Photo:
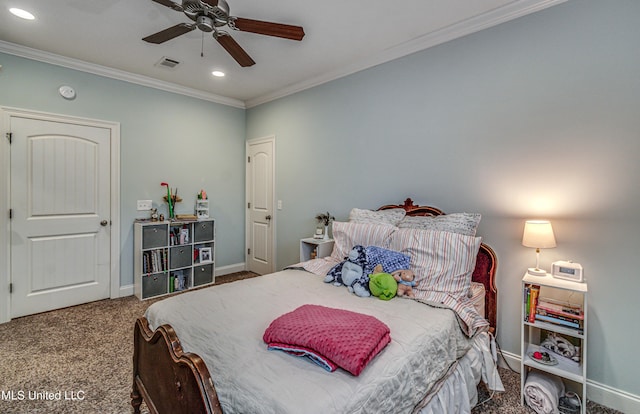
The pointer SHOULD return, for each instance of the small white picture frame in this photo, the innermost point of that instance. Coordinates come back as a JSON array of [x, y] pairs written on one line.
[[205, 254]]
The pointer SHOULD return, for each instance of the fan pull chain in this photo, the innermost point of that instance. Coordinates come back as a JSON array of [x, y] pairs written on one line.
[[202, 46]]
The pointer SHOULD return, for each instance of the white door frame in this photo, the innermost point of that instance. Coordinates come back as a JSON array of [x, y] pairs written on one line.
[[5, 201], [274, 220]]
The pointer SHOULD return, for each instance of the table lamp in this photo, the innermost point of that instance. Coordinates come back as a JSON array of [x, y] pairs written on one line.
[[538, 234]]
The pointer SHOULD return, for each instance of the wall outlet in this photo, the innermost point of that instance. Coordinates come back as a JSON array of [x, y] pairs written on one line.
[[144, 205], [279, 204]]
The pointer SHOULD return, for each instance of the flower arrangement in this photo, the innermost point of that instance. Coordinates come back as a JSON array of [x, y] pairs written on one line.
[[325, 218]]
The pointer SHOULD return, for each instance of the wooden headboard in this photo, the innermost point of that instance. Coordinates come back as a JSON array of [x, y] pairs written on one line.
[[486, 262]]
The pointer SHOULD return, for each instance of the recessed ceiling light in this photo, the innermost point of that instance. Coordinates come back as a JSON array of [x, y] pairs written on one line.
[[217, 73], [23, 14]]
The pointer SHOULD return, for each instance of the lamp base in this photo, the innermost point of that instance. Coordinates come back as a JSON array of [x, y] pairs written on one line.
[[536, 272]]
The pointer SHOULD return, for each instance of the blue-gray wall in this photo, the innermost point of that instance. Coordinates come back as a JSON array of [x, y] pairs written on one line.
[[538, 117], [534, 118], [189, 143]]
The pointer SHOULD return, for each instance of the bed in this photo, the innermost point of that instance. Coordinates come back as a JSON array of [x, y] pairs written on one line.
[[203, 351]]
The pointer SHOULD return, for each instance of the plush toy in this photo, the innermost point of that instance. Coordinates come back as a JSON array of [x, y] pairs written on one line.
[[361, 286], [405, 282], [334, 275], [351, 272], [382, 285]]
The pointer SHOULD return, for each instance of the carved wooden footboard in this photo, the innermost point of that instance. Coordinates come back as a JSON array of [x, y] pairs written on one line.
[[169, 380]]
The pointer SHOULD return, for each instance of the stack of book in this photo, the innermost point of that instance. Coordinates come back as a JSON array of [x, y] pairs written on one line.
[[543, 309], [559, 313], [531, 293], [154, 261]]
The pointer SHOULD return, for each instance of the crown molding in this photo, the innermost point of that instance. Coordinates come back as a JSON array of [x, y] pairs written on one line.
[[51, 58], [486, 20], [475, 24]]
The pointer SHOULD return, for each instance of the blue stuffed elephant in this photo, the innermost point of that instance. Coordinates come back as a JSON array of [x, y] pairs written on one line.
[[351, 273]]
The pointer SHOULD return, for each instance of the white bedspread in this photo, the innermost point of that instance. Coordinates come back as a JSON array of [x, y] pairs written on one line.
[[224, 325]]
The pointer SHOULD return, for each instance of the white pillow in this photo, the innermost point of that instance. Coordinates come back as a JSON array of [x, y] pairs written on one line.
[[347, 235], [391, 216], [462, 223], [443, 262]]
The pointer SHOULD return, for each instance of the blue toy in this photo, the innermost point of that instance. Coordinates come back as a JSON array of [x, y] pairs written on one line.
[[351, 272]]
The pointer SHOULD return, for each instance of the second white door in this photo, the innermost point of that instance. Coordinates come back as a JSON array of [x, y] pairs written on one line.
[[260, 215]]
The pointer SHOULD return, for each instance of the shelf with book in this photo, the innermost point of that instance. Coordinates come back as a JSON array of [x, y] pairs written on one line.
[[172, 256], [554, 320]]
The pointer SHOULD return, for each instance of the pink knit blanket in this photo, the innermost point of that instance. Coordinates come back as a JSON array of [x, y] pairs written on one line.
[[329, 337]]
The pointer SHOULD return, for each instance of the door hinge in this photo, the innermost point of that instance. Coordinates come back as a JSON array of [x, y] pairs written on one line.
[[248, 159], [249, 205], [249, 251], [10, 137], [10, 213], [10, 287]]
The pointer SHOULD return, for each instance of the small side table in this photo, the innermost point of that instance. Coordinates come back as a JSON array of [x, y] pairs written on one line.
[[318, 247]]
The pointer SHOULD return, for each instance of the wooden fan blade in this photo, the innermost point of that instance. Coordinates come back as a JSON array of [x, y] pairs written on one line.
[[234, 49], [170, 4], [170, 33], [212, 3], [285, 31]]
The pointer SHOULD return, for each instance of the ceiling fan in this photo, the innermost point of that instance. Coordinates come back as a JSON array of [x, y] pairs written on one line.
[[210, 15]]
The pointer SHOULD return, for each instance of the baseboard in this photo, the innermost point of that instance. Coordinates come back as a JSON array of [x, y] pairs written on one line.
[[512, 359], [127, 290], [613, 398], [225, 270], [599, 393]]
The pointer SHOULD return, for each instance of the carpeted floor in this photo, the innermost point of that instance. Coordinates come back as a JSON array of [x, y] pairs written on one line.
[[78, 360]]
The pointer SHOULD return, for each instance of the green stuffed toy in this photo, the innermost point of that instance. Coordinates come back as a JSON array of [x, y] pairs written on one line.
[[382, 285]]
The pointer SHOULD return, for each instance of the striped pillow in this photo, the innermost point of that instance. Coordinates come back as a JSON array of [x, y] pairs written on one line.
[[477, 293], [442, 261], [347, 235]]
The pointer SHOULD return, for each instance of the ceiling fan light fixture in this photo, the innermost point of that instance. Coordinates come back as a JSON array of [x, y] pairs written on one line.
[[23, 14], [205, 23], [210, 15]]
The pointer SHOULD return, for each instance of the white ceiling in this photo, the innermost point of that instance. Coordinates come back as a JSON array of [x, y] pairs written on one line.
[[342, 37]]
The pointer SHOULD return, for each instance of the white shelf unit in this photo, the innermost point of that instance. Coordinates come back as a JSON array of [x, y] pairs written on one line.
[[573, 374], [166, 256], [311, 246]]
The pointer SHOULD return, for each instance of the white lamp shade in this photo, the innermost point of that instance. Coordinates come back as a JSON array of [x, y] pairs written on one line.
[[538, 234]]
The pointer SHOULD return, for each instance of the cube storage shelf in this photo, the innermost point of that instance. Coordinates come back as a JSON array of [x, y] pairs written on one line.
[[573, 374], [173, 256]]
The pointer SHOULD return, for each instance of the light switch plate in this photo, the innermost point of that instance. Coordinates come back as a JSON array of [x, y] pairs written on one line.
[[144, 205]]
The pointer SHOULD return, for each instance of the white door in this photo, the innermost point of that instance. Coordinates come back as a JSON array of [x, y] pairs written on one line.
[[60, 225], [260, 217]]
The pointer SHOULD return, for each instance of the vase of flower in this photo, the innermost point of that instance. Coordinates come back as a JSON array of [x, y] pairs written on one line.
[[325, 219]]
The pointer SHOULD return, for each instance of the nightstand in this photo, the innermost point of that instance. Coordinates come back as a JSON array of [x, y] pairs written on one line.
[[559, 313], [311, 248]]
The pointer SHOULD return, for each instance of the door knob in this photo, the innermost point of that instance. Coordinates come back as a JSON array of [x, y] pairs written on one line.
[[268, 217], [104, 223]]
